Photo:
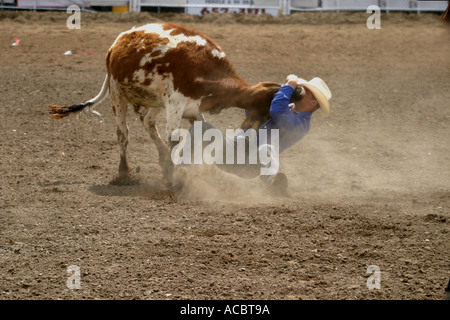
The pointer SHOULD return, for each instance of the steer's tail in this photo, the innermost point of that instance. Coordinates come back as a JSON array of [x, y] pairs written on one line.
[[60, 112]]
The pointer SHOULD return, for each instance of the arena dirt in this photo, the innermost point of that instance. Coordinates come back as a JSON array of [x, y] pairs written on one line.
[[368, 186]]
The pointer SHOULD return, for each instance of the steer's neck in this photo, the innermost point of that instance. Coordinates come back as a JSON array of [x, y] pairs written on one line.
[[256, 96]]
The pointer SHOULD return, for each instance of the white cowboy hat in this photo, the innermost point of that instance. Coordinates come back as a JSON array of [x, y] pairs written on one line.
[[320, 91]]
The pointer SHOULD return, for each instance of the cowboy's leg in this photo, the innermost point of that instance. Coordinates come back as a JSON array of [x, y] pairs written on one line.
[[233, 156], [241, 155]]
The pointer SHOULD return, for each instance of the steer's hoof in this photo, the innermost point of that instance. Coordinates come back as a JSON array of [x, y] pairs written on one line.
[[125, 180]]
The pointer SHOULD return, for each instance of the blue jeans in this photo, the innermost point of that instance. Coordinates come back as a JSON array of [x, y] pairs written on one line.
[[247, 167]]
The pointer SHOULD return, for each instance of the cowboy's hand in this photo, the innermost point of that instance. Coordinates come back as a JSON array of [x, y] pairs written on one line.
[[291, 77], [292, 80]]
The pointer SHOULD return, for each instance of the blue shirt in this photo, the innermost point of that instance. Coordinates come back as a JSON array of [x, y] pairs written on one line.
[[292, 126]]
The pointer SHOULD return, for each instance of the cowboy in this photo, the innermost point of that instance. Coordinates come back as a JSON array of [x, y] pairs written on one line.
[[293, 119], [290, 113]]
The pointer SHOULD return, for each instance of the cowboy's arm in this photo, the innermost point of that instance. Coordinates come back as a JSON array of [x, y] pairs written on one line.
[[279, 108]]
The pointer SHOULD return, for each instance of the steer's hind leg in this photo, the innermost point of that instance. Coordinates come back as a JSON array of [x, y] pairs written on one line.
[[120, 114]]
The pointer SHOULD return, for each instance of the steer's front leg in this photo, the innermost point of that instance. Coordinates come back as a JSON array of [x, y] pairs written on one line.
[[173, 116]]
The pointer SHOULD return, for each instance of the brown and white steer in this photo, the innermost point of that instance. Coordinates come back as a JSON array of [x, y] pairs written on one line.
[[165, 67]]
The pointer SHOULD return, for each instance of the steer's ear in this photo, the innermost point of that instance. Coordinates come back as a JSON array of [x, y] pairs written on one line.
[[253, 120]]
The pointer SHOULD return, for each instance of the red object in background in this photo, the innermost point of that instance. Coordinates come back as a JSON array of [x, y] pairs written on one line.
[[16, 42]]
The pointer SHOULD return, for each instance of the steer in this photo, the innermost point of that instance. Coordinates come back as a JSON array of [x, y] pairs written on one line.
[[163, 66]]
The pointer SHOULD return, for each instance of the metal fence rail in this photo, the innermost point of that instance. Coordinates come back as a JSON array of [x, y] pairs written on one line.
[[275, 7]]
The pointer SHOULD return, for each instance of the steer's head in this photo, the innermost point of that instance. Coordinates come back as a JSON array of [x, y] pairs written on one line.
[[258, 101]]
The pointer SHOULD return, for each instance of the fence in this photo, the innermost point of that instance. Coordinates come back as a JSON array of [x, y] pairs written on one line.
[[273, 7]]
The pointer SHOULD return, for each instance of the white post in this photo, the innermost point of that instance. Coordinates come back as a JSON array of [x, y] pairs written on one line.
[[138, 5], [285, 6]]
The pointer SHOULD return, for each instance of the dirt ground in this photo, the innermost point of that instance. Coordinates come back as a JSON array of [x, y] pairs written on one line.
[[369, 186]]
